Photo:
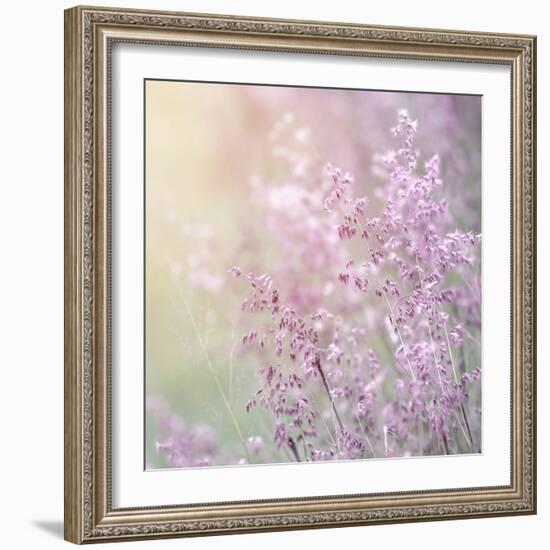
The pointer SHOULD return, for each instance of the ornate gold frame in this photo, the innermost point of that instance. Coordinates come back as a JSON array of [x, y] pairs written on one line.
[[89, 35]]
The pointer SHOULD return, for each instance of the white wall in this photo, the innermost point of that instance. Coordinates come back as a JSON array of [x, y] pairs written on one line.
[[31, 278]]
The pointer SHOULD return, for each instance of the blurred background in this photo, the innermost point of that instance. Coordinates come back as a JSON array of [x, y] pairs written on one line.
[[220, 159]]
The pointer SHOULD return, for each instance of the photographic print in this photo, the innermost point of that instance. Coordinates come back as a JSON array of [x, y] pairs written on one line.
[[313, 274], [300, 274]]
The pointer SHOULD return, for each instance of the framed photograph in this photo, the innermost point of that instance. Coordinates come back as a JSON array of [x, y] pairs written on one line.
[[299, 274]]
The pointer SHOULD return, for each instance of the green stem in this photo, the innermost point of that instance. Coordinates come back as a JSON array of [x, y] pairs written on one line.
[[469, 435], [394, 323], [327, 389], [450, 353], [367, 439], [217, 380]]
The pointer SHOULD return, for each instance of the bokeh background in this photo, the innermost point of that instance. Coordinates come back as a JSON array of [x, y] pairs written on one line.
[[207, 147]]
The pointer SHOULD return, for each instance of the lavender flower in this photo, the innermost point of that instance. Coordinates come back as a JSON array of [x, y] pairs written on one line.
[[325, 386]]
